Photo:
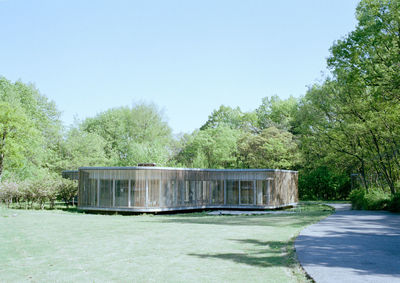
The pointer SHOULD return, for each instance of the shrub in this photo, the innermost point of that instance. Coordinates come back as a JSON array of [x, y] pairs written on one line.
[[374, 199], [9, 192], [40, 190], [394, 204], [66, 190], [357, 198], [26, 193]]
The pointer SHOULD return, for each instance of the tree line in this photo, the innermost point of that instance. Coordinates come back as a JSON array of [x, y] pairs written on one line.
[[348, 123]]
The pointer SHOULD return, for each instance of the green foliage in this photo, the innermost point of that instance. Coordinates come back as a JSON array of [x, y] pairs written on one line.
[[132, 135], [83, 149], [30, 129], [210, 148], [19, 140], [233, 118], [364, 95], [275, 112], [272, 148], [351, 120], [394, 203], [323, 183], [373, 199]]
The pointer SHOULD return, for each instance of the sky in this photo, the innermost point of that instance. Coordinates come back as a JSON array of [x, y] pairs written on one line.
[[187, 57]]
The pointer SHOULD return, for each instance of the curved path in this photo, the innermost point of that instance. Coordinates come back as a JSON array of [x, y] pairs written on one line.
[[352, 246]]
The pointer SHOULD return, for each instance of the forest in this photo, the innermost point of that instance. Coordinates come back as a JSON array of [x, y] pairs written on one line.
[[342, 134]]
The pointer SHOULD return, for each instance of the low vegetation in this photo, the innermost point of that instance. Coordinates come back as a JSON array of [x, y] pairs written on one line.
[[375, 199], [38, 192], [55, 245]]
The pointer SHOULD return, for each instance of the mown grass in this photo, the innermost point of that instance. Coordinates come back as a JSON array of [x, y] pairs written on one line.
[[55, 245]]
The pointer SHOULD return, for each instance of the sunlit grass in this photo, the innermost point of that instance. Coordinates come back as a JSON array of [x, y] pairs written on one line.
[[55, 245]]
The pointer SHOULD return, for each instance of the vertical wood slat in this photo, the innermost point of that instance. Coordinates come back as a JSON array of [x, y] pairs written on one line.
[[240, 193], [254, 193], [224, 192], [147, 191], [98, 190], [129, 192], [113, 192]]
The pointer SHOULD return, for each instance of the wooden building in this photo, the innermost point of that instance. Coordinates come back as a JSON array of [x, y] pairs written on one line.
[[156, 189]]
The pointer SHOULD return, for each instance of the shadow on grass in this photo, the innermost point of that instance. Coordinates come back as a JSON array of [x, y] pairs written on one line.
[[267, 254], [299, 219]]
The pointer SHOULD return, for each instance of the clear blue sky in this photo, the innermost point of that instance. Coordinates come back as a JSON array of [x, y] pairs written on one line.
[[188, 57]]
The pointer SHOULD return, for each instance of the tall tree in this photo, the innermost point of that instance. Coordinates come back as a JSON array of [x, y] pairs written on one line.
[[366, 66], [42, 117], [273, 148], [276, 112], [132, 135], [233, 118], [82, 149], [19, 140], [210, 148]]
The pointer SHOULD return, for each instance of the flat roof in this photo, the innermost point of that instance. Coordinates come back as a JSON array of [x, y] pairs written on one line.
[[185, 169]]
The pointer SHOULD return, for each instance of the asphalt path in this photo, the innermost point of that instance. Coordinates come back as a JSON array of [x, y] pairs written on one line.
[[352, 246]]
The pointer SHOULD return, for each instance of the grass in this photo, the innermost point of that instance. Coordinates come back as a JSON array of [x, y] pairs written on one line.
[[62, 246]]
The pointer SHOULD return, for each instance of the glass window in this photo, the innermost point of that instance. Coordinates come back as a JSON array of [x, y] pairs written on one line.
[[166, 193], [264, 192], [246, 192], [261, 185], [202, 192], [190, 192], [105, 193], [174, 192], [180, 194], [138, 193], [121, 192], [232, 192], [217, 192], [93, 192], [154, 193]]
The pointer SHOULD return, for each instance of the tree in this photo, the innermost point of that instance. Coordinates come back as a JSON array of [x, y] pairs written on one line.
[[233, 118], [273, 148], [366, 67], [210, 148], [83, 149], [275, 112], [18, 138], [41, 117], [132, 135]]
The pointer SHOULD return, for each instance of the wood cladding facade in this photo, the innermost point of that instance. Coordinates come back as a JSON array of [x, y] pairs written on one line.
[[155, 189]]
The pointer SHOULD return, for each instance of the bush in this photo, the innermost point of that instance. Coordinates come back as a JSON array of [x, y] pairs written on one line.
[[323, 183], [66, 190], [9, 192], [39, 191], [394, 203], [374, 199]]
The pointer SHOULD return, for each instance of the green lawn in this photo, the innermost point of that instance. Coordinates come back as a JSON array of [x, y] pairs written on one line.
[[55, 245]]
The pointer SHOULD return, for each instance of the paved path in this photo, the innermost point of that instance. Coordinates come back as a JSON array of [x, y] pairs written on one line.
[[352, 246]]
